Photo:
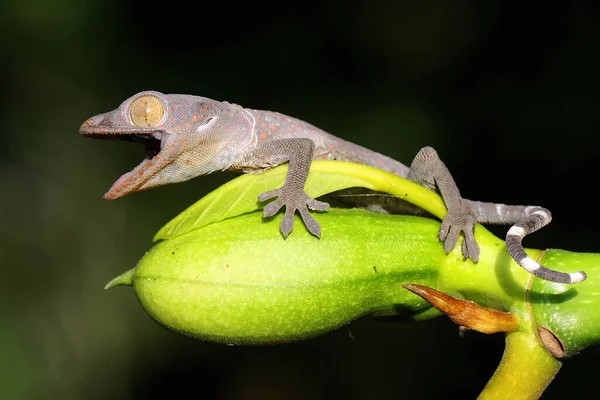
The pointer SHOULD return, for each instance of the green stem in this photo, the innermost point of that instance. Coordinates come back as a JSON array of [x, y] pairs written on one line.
[[525, 371]]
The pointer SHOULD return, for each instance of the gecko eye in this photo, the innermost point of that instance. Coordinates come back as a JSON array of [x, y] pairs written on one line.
[[146, 111]]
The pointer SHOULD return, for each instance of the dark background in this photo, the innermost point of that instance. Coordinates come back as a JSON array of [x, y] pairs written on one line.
[[506, 92]]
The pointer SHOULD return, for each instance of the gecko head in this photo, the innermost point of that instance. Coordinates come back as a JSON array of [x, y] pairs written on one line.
[[175, 130]]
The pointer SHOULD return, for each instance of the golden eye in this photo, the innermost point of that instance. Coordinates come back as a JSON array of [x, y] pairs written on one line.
[[146, 111]]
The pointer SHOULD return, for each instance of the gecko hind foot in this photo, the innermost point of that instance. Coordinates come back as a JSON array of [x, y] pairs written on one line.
[[456, 222], [293, 201]]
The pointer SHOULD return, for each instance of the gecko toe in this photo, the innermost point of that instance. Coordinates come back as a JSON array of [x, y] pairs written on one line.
[[311, 223], [465, 248], [470, 248], [317, 205], [451, 239], [272, 208], [287, 223], [444, 230], [268, 195]]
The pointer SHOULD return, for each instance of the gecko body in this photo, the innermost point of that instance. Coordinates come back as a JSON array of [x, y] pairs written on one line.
[[186, 136]]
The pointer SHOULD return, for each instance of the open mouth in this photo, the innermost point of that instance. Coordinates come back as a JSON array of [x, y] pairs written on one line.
[[132, 181], [151, 141]]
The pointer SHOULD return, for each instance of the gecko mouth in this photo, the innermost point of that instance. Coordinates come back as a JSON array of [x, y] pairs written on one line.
[[131, 181], [152, 142]]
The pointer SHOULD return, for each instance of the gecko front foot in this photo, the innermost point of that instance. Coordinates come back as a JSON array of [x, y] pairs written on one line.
[[460, 219], [293, 201]]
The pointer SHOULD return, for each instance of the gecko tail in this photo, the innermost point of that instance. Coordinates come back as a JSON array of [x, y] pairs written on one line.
[[534, 221]]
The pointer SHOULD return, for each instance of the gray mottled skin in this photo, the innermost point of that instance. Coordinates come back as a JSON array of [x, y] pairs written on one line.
[[187, 136]]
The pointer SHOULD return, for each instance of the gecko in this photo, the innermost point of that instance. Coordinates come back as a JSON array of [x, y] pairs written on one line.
[[186, 136]]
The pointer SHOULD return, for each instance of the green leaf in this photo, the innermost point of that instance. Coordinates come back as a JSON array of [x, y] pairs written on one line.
[[240, 195]]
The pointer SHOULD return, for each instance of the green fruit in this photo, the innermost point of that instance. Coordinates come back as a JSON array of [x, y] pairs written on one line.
[[238, 281]]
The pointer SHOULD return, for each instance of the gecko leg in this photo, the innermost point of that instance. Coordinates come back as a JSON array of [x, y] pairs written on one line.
[[299, 153], [428, 170]]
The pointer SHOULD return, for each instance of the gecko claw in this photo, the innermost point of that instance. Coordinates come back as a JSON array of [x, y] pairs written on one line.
[[456, 222], [293, 202]]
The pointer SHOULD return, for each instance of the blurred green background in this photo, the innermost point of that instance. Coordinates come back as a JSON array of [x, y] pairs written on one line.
[[505, 91]]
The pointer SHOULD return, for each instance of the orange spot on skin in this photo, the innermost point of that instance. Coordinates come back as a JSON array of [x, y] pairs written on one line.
[[273, 127], [467, 313], [263, 135], [195, 117], [263, 125]]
